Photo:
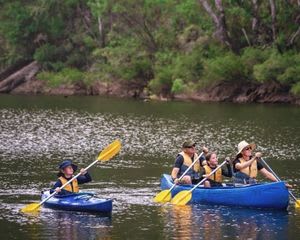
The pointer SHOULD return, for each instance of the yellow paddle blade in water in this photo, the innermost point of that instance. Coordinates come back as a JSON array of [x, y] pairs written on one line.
[[110, 151], [182, 198], [163, 197], [32, 207]]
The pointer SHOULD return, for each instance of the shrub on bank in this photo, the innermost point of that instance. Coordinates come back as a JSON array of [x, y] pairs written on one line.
[[65, 76], [223, 68], [283, 68]]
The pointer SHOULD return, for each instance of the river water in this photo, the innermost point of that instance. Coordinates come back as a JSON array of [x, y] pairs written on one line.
[[37, 132]]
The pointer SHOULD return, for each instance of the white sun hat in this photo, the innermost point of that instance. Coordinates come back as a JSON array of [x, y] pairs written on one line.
[[244, 144]]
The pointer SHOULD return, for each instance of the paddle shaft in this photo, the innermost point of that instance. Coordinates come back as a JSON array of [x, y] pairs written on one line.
[[278, 179], [185, 172], [76, 176], [202, 181]]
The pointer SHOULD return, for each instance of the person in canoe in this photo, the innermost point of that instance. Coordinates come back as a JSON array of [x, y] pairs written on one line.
[[215, 180], [183, 160], [246, 166], [66, 171]]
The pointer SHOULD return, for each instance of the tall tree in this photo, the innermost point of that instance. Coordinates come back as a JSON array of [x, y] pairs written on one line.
[[219, 20]]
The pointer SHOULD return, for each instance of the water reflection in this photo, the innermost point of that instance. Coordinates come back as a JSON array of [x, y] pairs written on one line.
[[71, 225], [208, 222]]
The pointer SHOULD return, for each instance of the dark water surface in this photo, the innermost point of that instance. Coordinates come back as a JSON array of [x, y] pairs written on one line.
[[37, 132]]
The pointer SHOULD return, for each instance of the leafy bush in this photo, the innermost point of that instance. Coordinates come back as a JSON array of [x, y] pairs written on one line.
[[163, 73], [65, 76], [188, 67], [126, 61], [226, 68], [252, 56], [45, 53], [296, 89], [284, 68], [290, 75], [162, 82], [177, 86], [275, 65]]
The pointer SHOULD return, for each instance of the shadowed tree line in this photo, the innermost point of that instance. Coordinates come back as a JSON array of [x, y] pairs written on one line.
[[156, 46]]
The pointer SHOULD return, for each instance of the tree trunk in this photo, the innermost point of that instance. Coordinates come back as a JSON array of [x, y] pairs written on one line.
[[255, 19], [273, 16], [293, 37], [13, 68], [24, 74], [101, 32], [219, 21]]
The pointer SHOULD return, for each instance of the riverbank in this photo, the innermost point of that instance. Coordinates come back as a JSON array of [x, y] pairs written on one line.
[[23, 81], [271, 92]]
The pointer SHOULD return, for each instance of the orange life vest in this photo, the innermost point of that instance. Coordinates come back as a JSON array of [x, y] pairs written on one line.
[[217, 176], [251, 171], [187, 161], [71, 187]]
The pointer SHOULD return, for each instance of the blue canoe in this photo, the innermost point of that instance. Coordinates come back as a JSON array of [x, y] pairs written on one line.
[[266, 195], [80, 202]]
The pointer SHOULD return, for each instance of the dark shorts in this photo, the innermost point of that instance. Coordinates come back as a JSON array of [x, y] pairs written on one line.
[[214, 183], [242, 178], [195, 181]]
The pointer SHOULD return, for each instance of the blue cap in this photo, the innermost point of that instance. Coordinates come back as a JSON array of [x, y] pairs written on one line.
[[67, 163]]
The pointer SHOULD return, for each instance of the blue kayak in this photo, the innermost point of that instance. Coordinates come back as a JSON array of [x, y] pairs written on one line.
[[266, 195], [80, 202]]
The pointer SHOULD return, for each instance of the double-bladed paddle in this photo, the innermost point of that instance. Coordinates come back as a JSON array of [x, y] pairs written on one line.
[[110, 151], [165, 195], [183, 197], [297, 201]]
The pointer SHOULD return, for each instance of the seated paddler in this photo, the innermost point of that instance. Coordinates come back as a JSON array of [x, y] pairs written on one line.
[[66, 172], [215, 180], [183, 160], [246, 165]]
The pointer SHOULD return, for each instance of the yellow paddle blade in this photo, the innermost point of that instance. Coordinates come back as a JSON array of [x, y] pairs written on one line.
[[182, 198], [110, 151], [297, 204], [163, 197], [32, 207]]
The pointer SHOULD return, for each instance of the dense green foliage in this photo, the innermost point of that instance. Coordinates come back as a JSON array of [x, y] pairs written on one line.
[[164, 46]]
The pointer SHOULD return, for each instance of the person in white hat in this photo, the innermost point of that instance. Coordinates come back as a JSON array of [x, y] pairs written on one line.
[[246, 166]]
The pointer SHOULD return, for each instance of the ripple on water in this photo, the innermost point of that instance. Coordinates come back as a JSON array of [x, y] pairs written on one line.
[[50, 133]]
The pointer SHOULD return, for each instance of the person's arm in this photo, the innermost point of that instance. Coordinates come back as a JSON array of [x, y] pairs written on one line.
[[84, 178], [175, 171], [240, 166], [203, 159], [226, 170], [56, 187], [202, 173], [268, 174]]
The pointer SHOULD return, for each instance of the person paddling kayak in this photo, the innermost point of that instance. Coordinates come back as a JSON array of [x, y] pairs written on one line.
[[66, 171], [183, 160], [246, 166], [215, 180]]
